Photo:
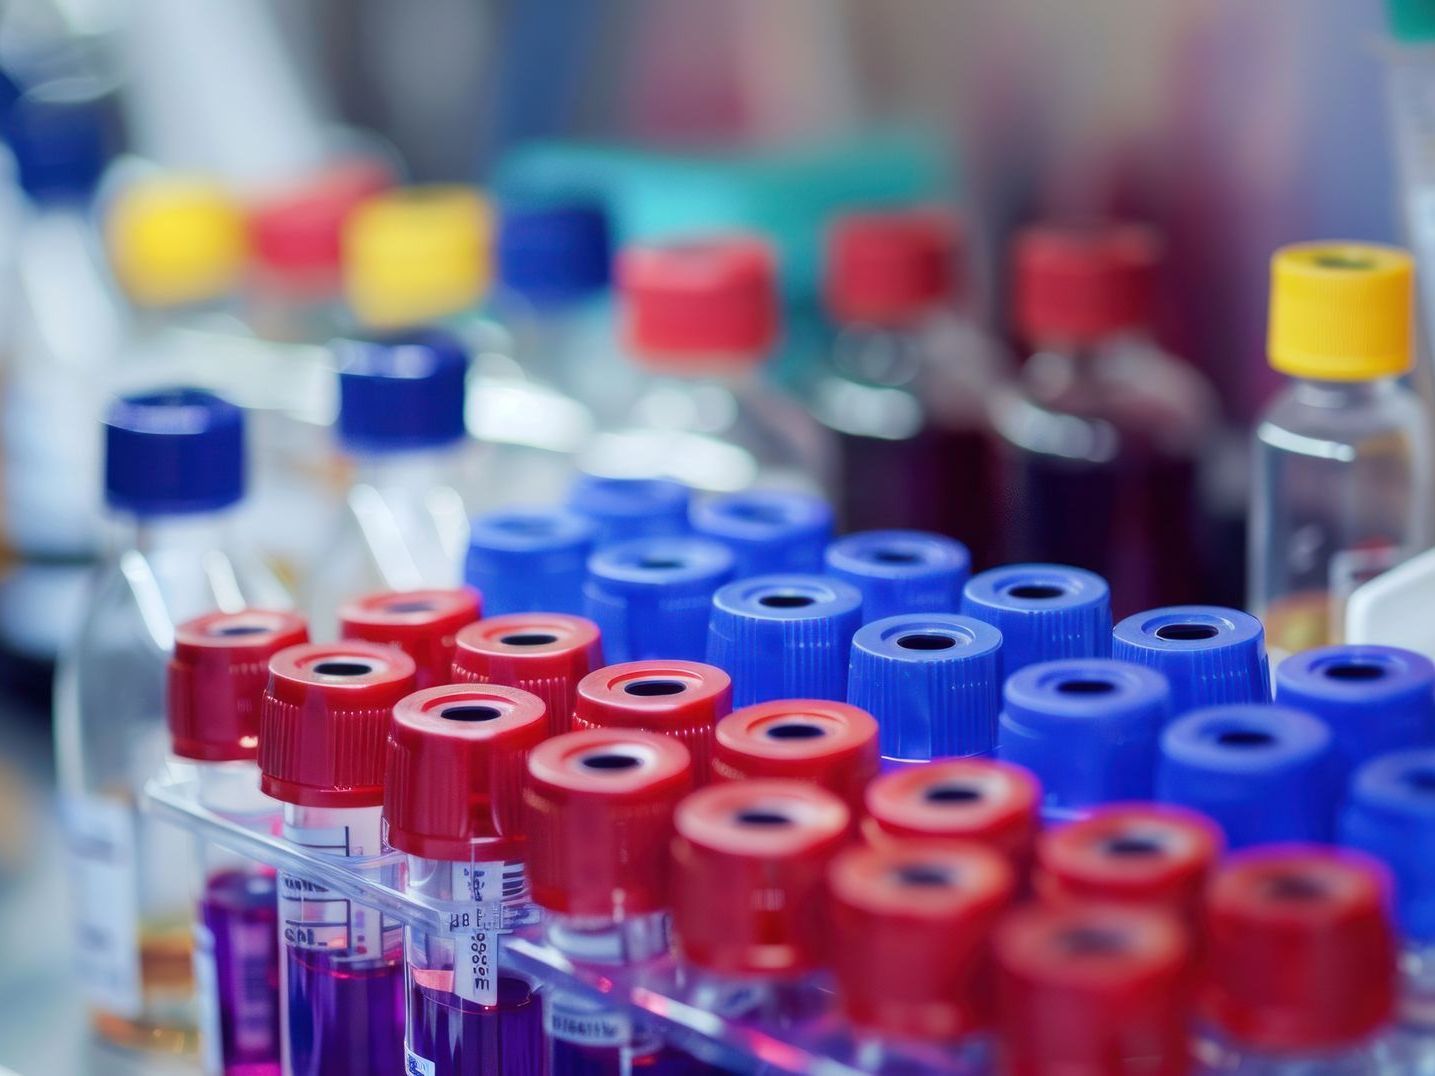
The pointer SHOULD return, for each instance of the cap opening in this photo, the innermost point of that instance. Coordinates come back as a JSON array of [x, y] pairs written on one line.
[[1187, 633], [609, 761], [1092, 941], [926, 641], [525, 525], [409, 606], [786, 601], [1332, 260], [231, 630], [649, 688], [528, 638], [472, 712], [660, 564], [923, 875], [894, 556], [794, 730], [1133, 846], [757, 816], [1086, 687], [1244, 738], [1296, 888], [1035, 591], [945, 794], [343, 667], [1355, 671], [1421, 780], [755, 513]]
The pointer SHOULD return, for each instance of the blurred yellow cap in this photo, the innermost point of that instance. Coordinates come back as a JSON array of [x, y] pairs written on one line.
[[416, 254], [1342, 311], [175, 240]]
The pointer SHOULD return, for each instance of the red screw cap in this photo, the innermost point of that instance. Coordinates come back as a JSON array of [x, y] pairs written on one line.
[[421, 623], [545, 653], [701, 302], [456, 764], [830, 744], [217, 678], [1079, 285], [1085, 988], [682, 699], [326, 719], [1301, 955], [993, 803], [599, 811], [890, 267], [748, 866], [1143, 853], [911, 930]]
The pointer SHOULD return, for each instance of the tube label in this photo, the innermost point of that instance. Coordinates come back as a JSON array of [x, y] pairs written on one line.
[[584, 1022], [485, 888], [100, 841], [312, 916], [414, 1065]]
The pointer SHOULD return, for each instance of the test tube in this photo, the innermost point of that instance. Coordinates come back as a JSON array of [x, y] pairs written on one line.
[[322, 738], [421, 623], [453, 804], [215, 693], [1211, 655], [901, 571], [545, 653], [769, 531], [1045, 612], [627, 508]]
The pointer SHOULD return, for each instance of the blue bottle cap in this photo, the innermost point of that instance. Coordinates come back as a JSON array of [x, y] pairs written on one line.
[[1211, 655], [529, 560], [401, 392], [901, 571], [784, 636], [173, 452], [652, 597], [60, 138], [932, 681], [551, 255], [1390, 813], [1045, 612], [1375, 699], [1263, 772], [1088, 727], [624, 508], [768, 530]]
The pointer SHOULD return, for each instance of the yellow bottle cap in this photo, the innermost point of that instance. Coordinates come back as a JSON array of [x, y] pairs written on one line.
[[1342, 311], [175, 240], [416, 254]]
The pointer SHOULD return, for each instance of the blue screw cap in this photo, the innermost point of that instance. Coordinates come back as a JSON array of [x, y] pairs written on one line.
[[932, 681], [529, 560], [401, 392], [1045, 612], [1263, 772], [767, 530], [784, 636], [553, 255], [901, 571], [60, 138], [1211, 655], [173, 452], [1088, 728], [1375, 699], [625, 508], [1390, 813], [652, 597]]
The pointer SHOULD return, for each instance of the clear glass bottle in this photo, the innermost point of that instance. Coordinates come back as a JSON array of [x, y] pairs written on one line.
[[1343, 473], [174, 472], [700, 318]]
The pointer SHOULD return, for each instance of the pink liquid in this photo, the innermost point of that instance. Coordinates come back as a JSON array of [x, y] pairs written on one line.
[[240, 912], [346, 1017], [463, 1038]]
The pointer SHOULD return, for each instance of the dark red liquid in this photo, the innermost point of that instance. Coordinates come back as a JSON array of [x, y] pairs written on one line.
[[346, 1018], [463, 1038], [241, 915]]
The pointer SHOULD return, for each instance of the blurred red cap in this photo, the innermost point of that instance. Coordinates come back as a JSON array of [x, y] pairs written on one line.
[[888, 267], [1079, 285], [545, 653], [421, 623]]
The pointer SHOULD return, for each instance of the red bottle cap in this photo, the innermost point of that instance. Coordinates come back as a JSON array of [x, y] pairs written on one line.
[[911, 930], [748, 875], [978, 799], [421, 623], [1085, 988], [456, 764], [890, 267], [682, 699], [1142, 853], [326, 720], [217, 678], [701, 302], [600, 821], [1301, 955], [545, 653], [1077, 285], [830, 744]]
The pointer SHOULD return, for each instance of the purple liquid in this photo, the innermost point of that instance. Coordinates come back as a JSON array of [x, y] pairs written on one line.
[[346, 1018], [241, 914], [573, 1059], [463, 1038]]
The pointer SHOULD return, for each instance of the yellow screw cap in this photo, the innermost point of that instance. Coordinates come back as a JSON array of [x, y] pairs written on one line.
[[1342, 311], [175, 240], [416, 254]]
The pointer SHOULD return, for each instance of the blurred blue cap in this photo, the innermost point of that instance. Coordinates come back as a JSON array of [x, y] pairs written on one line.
[[529, 560], [652, 596], [767, 530], [1263, 772], [784, 636], [173, 451], [1211, 655], [1044, 612], [60, 138], [401, 392], [901, 571], [1390, 813], [624, 508], [932, 681], [554, 254]]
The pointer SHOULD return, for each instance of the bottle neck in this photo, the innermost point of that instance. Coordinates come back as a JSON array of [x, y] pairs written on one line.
[[161, 533], [415, 469], [1343, 394]]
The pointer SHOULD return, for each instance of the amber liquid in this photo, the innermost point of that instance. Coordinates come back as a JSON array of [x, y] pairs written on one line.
[[166, 1022]]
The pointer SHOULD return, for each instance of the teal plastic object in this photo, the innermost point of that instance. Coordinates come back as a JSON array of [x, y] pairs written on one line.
[[1412, 21]]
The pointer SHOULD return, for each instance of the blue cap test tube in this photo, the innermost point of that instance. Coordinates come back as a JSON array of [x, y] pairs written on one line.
[[901, 571], [530, 560], [1263, 772], [767, 530], [932, 681], [624, 508], [1211, 655], [1044, 612], [784, 636], [401, 392], [1390, 813], [652, 597], [1088, 728]]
